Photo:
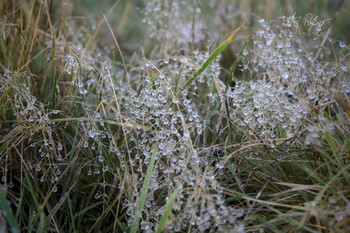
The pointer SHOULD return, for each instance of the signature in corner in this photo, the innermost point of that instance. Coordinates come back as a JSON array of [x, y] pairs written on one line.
[[311, 21], [291, 20]]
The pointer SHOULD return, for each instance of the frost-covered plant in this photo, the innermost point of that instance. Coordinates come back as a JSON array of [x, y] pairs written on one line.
[[17, 100], [174, 22], [85, 145], [288, 82], [178, 164], [264, 107]]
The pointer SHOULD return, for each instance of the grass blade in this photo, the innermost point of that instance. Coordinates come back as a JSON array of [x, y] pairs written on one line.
[[168, 207], [8, 212], [141, 202], [235, 64], [212, 57]]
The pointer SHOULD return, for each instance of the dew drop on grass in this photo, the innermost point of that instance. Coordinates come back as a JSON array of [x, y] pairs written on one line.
[[104, 184], [59, 147], [173, 130], [186, 135], [101, 159], [220, 165], [45, 118], [341, 44], [92, 133], [54, 189], [38, 168], [10, 185], [58, 172], [85, 144], [97, 196], [344, 68], [80, 84]]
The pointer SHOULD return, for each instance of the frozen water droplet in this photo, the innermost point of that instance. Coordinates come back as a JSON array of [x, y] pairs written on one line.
[[80, 84], [54, 189], [344, 68], [341, 44], [101, 159], [45, 118], [220, 165], [186, 135], [10, 185], [58, 172], [59, 147], [104, 184], [92, 133]]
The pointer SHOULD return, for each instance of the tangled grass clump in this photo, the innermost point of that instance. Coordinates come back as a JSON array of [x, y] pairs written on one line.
[[168, 137]]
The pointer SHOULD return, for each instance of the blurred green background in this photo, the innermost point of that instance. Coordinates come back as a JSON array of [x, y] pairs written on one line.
[[127, 16]]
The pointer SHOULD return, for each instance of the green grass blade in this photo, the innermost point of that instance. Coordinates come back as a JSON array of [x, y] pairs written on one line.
[[8, 212], [168, 207], [39, 208], [141, 201], [319, 196], [235, 64], [212, 57]]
